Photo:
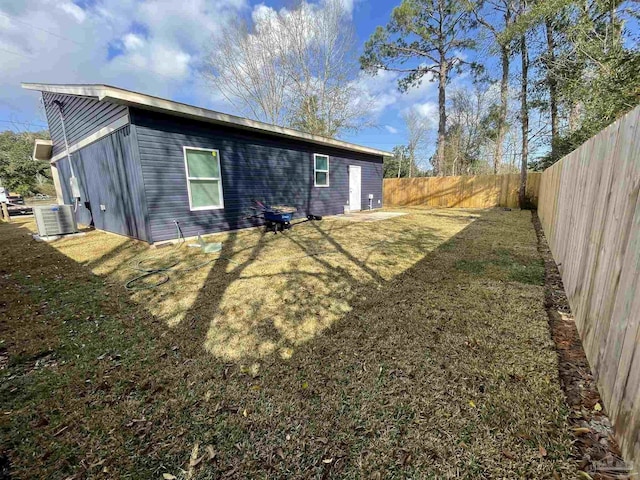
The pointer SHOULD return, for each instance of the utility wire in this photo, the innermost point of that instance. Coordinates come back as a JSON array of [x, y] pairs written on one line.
[[24, 123], [16, 53], [39, 28]]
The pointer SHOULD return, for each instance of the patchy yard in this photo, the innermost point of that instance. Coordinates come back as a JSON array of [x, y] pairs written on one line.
[[415, 347]]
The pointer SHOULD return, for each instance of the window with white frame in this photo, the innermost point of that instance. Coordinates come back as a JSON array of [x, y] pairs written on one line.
[[204, 178], [321, 170]]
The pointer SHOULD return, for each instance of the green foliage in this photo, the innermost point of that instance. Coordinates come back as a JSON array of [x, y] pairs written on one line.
[[19, 172], [472, 127], [613, 90], [400, 160], [423, 32], [308, 118], [594, 73], [490, 123]]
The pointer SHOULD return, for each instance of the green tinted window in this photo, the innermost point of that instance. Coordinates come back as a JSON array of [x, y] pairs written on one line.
[[203, 164], [205, 193], [322, 179], [321, 170], [322, 163], [204, 178]]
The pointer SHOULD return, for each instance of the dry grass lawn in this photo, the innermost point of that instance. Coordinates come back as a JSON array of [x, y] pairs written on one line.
[[415, 347]]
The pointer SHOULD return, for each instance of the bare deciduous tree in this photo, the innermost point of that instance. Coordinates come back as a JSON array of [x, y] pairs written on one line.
[[467, 138], [293, 68], [247, 71], [417, 130], [495, 17]]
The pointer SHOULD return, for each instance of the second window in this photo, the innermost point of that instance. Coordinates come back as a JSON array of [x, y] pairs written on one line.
[[321, 170]]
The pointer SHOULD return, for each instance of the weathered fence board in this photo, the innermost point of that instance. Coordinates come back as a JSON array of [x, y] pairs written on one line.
[[480, 191], [589, 206]]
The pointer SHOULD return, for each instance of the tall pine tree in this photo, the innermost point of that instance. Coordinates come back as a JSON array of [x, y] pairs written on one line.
[[425, 38]]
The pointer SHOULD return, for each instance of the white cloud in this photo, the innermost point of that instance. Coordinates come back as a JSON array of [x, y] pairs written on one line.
[[131, 41], [382, 93], [348, 5], [379, 91], [153, 46], [390, 129], [169, 61], [74, 10], [426, 110], [261, 13]]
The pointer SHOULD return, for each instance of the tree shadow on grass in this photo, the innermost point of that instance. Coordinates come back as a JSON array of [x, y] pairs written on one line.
[[435, 372], [293, 287]]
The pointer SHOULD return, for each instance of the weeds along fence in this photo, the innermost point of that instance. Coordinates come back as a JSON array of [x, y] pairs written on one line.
[[479, 191], [590, 211]]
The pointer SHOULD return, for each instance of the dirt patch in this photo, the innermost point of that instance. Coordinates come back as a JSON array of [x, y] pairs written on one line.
[[595, 446]]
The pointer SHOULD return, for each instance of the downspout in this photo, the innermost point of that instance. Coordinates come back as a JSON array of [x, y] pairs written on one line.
[[73, 180]]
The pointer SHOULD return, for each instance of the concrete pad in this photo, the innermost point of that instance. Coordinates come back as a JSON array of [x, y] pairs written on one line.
[[52, 238], [368, 216]]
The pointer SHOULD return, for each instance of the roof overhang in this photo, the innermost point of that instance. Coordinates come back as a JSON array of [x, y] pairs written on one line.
[[42, 149], [148, 102]]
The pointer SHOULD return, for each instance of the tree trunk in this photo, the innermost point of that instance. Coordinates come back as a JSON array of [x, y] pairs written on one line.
[[5, 213], [553, 86], [442, 122], [502, 119], [575, 113], [615, 34], [524, 114], [411, 164]]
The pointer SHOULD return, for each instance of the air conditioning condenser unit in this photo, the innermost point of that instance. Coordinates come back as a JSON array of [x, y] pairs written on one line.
[[54, 220]]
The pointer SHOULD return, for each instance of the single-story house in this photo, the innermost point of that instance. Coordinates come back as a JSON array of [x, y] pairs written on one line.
[[136, 164]]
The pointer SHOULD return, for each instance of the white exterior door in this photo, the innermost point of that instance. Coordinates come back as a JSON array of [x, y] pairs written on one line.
[[355, 188]]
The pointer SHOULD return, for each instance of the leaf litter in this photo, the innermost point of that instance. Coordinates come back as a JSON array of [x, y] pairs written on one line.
[[428, 358]]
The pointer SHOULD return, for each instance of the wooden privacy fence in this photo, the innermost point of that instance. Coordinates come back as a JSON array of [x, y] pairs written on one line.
[[589, 209], [479, 191]]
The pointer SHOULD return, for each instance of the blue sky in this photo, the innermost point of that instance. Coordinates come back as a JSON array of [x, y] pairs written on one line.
[[155, 47]]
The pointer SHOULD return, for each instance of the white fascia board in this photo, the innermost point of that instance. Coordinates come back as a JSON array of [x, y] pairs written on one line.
[[81, 90], [148, 102]]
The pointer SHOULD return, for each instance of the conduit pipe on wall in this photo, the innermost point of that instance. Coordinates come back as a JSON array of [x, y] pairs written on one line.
[[73, 180]]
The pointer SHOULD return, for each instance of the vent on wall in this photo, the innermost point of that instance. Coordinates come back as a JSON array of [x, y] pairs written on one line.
[[55, 220]]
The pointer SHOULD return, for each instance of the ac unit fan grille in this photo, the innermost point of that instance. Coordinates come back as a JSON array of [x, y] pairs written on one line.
[[55, 220]]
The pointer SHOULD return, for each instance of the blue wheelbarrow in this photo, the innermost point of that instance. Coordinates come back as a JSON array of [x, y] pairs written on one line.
[[278, 218]]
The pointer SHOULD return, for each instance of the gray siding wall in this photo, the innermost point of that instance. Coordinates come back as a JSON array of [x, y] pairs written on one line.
[[83, 116], [109, 174], [274, 170]]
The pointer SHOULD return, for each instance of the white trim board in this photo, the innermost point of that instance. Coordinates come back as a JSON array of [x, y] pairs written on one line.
[[148, 102], [189, 178], [315, 170], [103, 132], [42, 149]]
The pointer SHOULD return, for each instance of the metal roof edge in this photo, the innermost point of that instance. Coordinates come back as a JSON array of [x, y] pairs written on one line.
[[149, 102]]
